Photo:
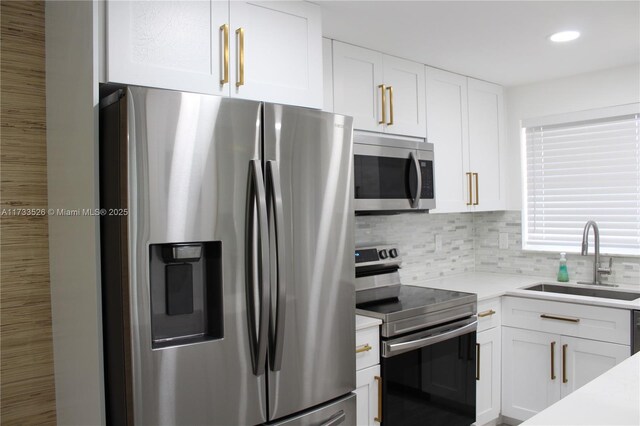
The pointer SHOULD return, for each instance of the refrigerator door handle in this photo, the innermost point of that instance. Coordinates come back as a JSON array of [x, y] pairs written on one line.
[[257, 268], [278, 319]]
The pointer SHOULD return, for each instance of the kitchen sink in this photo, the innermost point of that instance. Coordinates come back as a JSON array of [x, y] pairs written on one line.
[[581, 291]]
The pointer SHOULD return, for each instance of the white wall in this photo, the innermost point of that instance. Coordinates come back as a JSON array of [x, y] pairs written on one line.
[[72, 152], [599, 89]]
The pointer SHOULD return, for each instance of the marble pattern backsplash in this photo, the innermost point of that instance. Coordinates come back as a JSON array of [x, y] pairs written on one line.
[[470, 242]]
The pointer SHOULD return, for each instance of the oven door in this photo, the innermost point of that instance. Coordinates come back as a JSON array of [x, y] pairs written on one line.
[[386, 178], [429, 377]]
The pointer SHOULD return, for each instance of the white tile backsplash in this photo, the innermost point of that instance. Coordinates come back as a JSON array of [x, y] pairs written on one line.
[[471, 242]]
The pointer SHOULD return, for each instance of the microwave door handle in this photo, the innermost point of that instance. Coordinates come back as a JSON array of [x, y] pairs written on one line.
[[257, 267], [392, 349], [278, 319], [415, 200]]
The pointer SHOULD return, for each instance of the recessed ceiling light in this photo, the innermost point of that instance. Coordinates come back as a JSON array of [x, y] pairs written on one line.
[[563, 36]]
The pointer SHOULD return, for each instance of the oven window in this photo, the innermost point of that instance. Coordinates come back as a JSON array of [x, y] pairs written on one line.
[[384, 177], [432, 385]]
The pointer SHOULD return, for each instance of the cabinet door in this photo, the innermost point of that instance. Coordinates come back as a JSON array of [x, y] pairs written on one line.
[[282, 52], [583, 360], [488, 375], [447, 127], [327, 75], [531, 373], [357, 73], [367, 395], [405, 97], [167, 44], [486, 144]]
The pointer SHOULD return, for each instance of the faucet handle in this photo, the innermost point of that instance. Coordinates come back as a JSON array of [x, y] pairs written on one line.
[[606, 270]]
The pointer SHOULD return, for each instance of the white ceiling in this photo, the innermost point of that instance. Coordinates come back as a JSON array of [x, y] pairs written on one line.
[[505, 42]]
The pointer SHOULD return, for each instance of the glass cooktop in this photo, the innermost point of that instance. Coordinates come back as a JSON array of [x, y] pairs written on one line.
[[413, 300]]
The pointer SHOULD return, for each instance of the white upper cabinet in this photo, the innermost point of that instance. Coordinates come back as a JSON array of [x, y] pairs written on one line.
[[465, 122], [267, 51], [486, 147], [447, 129], [357, 73], [327, 75], [404, 82], [383, 93], [168, 44], [281, 51]]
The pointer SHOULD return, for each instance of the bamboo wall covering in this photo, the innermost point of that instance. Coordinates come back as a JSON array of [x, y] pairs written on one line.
[[26, 366]]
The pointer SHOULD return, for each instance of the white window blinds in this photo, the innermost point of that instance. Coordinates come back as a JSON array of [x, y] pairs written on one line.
[[580, 171]]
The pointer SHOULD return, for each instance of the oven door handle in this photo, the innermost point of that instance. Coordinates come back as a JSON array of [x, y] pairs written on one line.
[[392, 349]]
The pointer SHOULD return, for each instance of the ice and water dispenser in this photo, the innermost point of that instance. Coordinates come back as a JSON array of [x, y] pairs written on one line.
[[186, 293]]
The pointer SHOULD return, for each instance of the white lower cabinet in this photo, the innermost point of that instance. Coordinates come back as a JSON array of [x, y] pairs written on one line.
[[488, 375], [541, 368], [367, 395]]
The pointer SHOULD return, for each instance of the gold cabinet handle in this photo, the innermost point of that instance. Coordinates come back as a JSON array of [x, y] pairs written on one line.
[[470, 191], [240, 38], [555, 317], [564, 364], [477, 190], [383, 91], [477, 361], [390, 89], [225, 40], [486, 313], [378, 418], [364, 348], [553, 355]]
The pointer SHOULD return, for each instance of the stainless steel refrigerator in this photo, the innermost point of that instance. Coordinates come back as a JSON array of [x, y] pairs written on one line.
[[227, 261]]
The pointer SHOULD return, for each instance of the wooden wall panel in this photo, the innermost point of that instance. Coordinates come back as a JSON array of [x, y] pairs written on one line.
[[26, 366]]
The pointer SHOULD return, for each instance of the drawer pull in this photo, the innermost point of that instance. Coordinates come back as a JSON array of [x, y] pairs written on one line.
[[554, 317], [486, 313], [364, 348]]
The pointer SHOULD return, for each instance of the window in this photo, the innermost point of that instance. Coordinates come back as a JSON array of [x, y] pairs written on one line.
[[580, 167]]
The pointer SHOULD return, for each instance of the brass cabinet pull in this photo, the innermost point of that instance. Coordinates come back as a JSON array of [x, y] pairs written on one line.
[[470, 191], [383, 91], [364, 348], [240, 37], [564, 364], [225, 39], [378, 418], [486, 313], [477, 190], [477, 361], [555, 317], [553, 355], [391, 105]]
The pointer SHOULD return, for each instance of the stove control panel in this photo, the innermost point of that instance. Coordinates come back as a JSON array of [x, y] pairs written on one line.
[[377, 255]]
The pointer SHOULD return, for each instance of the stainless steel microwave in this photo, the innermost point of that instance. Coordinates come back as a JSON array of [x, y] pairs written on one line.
[[392, 174]]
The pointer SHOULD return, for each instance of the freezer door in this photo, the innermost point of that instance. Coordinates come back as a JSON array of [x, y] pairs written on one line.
[[339, 412], [309, 176], [191, 161]]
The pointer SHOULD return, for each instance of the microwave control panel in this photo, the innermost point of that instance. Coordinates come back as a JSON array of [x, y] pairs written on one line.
[[426, 170]]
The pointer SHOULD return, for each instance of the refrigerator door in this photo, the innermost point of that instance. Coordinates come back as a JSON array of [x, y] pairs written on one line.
[[191, 161], [309, 177]]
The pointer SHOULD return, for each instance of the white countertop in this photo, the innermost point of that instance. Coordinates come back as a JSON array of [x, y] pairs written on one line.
[[610, 399], [366, 322], [489, 285]]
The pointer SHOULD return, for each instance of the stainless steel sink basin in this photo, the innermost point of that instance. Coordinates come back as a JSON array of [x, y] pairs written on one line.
[[581, 291]]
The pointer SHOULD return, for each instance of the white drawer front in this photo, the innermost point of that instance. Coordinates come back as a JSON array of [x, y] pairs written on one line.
[[367, 347], [489, 314], [588, 322]]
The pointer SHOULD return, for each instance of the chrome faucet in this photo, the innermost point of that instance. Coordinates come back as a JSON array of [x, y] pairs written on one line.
[[597, 269]]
